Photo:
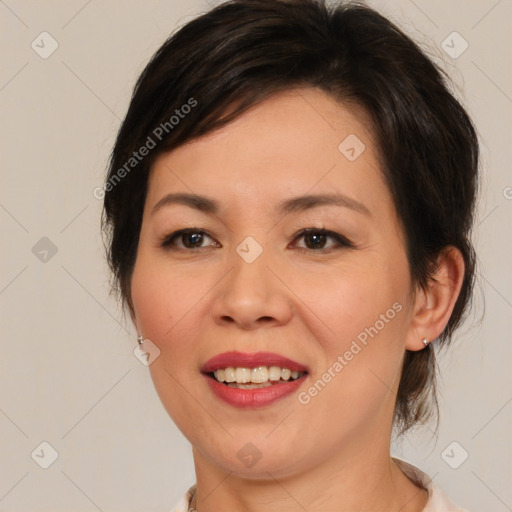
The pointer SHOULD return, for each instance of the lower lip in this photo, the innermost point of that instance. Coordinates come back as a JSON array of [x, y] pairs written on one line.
[[253, 398]]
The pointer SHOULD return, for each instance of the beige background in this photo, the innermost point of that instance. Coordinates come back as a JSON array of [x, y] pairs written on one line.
[[68, 375]]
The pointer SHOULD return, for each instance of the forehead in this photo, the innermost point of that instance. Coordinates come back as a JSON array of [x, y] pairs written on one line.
[[293, 143]]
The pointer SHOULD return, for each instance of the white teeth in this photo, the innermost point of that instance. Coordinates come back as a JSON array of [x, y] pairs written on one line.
[[258, 375], [249, 386], [229, 375], [243, 375], [285, 374], [274, 373]]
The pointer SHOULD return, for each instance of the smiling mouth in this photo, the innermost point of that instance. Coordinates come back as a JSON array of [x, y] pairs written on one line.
[[254, 378]]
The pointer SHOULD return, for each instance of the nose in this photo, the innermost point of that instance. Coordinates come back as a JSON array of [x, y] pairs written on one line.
[[252, 296]]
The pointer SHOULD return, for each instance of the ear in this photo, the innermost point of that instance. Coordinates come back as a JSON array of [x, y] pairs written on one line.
[[433, 304]]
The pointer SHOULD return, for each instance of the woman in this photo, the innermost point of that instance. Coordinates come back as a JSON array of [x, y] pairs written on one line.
[[288, 210]]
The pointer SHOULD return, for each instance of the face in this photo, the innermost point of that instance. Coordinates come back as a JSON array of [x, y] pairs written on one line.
[[246, 278]]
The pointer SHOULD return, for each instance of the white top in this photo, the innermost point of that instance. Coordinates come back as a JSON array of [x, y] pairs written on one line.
[[437, 500]]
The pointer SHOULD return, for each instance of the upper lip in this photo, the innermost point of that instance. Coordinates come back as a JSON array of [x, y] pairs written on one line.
[[251, 360]]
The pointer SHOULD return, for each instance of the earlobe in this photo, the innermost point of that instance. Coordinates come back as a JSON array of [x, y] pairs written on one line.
[[435, 301]]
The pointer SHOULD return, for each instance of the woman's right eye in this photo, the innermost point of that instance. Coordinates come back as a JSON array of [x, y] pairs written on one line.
[[189, 238]]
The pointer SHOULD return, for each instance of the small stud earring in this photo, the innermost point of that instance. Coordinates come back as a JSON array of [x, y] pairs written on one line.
[[425, 342], [139, 339]]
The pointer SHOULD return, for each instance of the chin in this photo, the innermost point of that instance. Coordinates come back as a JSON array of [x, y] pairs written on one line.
[[254, 460]]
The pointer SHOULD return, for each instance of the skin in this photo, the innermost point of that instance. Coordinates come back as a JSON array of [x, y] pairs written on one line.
[[303, 302]]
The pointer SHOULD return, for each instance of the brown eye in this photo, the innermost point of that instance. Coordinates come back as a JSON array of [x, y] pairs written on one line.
[[189, 238], [315, 240]]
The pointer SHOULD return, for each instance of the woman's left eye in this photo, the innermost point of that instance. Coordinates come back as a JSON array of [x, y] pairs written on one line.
[[315, 239]]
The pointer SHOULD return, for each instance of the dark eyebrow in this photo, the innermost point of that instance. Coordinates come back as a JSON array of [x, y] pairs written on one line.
[[200, 203], [301, 203], [295, 204]]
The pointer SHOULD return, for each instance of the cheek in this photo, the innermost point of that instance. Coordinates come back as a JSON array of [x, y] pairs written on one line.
[[164, 306], [148, 294], [360, 320], [359, 365], [162, 298], [359, 300]]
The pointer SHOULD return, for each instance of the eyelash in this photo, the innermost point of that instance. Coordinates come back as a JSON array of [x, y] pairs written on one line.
[[343, 243]]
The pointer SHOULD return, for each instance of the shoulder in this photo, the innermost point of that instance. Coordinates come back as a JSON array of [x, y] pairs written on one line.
[[184, 504], [437, 500]]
